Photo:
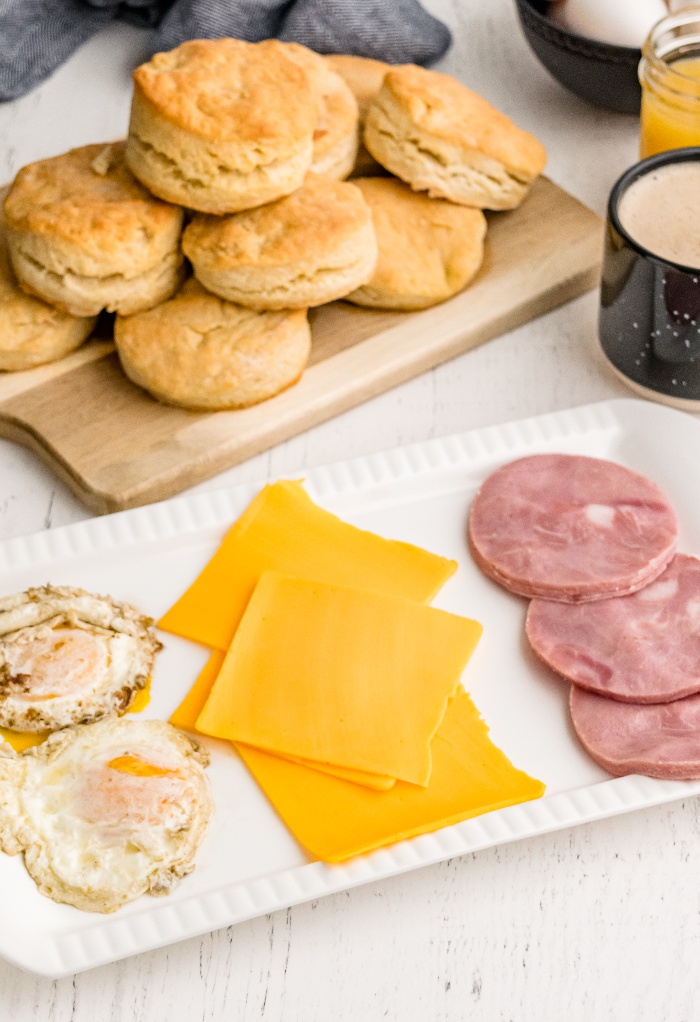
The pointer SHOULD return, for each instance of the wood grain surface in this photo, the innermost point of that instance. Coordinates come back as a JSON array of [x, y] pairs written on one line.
[[117, 448]]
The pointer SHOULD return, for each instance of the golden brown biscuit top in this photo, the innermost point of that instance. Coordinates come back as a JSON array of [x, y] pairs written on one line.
[[441, 106], [424, 243], [363, 75], [88, 198], [317, 218], [313, 64], [337, 107], [204, 343], [229, 90]]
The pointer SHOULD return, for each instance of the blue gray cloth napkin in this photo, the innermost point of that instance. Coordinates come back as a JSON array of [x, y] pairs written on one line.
[[38, 35]]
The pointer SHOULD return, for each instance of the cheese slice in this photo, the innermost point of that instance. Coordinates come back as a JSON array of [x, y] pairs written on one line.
[[283, 530], [337, 675], [379, 782], [185, 717], [335, 820]]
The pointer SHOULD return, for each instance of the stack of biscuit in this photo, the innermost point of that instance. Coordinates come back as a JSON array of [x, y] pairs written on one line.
[[235, 165]]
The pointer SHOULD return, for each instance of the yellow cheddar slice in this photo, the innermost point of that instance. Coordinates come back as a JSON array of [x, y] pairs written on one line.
[[379, 782], [185, 717], [337, 675], [283, 530], [334, 820]]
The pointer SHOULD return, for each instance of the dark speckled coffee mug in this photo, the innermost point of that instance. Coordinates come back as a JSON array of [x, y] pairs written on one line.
[[649, 323]]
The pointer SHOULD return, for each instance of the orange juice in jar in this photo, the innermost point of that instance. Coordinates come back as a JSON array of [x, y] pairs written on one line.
[[670, 75]]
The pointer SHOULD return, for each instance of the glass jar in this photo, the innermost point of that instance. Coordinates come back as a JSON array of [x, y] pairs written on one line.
[[670, 75]]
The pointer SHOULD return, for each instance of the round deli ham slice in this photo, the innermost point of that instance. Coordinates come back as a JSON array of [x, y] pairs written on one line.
[[643, 648], [571, 528], [661, 740]]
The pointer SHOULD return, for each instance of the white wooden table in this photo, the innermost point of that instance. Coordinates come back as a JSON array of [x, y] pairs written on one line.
[[597, 923]]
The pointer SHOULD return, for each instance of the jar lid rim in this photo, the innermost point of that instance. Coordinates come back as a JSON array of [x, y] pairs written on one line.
[[659, 60]]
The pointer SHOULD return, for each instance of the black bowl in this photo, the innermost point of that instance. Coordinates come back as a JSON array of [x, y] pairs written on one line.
[[603, 74]]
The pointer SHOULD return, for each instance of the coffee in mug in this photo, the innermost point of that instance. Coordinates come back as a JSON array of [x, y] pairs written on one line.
[[650, 293], [661, 212]]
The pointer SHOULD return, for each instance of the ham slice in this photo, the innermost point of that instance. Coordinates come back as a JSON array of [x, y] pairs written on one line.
[[571, 528], [661, 740], [643, 648]]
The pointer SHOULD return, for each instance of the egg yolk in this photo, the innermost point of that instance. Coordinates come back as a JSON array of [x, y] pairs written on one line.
[[141, 699], [129, 790], [57, 664], [21, 740], [138, 767]]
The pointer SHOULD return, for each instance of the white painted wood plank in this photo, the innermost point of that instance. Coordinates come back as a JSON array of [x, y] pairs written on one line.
[[599, 923]]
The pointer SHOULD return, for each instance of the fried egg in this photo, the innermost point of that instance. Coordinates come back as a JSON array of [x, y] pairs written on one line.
[[69, 657], [105, 812]]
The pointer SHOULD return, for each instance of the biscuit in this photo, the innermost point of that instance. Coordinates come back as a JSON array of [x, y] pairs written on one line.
[[32, 332], [205, 354], [221, 125], [440, 137], [429, 249], [306, 249], [364, 77], [84, 235], [337, 131]]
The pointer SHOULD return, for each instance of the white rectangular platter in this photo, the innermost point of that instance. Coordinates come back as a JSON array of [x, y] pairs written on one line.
[[249, 863]]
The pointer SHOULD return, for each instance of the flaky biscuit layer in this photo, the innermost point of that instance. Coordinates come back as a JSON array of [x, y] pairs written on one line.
[[337, 130], [81, 295], [363, 75], [84, 212], [32, 332], [440, 137], [85, 235], [222, 125], [307, 249]]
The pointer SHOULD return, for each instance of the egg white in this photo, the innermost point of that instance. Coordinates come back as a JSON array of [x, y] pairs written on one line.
[[94, 836], [112, 646], [620, 22]]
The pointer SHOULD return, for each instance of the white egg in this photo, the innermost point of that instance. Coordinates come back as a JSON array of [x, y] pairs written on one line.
[[106, 812], [621, 22], [68, 657]]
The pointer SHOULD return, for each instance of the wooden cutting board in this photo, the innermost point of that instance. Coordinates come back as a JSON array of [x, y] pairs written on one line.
[[118, 448]]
